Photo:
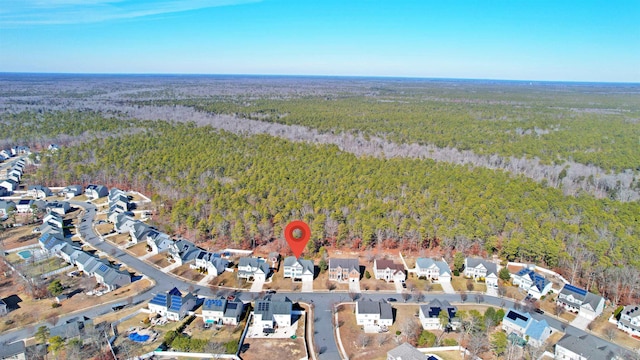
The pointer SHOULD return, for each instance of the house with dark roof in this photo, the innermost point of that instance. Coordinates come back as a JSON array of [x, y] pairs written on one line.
[[269, 314], [72, 191], [575, 299], [159, 242], [429, 314], [183, 251], [13, 351], [124, 223], [582, 348], [222, 311], [52, 243], [212, 263], [373, 315], [172, 304], [479, 269], [6, 207], [3, 308], [38, 191], [388, 271], [525, 328], [139, 230], [58, 207], [630, 320], [253, 268], [96, 191], [533, 283], [432, 269], [344, 270], [405, 351], [298, 269], [24, 206], [111, 277], [9, 184], [54, 219], [72, 328]]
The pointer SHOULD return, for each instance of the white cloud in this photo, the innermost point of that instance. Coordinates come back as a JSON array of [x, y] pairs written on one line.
[[15, 13]]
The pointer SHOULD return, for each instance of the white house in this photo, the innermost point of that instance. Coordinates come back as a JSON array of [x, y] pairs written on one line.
[[111, 278], [38, 191], [222, 312], [72, 191], [13, 351], [298, 269], [53, 219], [253, 268], [272, 314], [9, 184], [96, 191], [575, 299], [59, 207], [388, 271], [213, 263], [483, 270], [533, 283], [172, 304], [573, 347], [373, 315], [183, 251], [522, 325], [24, 206], [157, 241], [437, 271], [429, 314], [630, 320]]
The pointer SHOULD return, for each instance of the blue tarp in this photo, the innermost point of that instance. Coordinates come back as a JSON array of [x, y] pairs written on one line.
[[138, 338]]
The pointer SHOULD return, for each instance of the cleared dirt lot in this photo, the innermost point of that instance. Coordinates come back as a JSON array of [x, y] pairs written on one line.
[[257, 348]]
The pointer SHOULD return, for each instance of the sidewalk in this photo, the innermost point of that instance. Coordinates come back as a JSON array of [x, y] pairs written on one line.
[[206, 279], [170, 268]]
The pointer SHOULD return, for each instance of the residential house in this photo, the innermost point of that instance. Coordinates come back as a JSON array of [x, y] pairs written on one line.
[[72, 328], [38, 191], [344, 270], [429, 314], [630, 320], [580, 301], [111, 278], [52, 243], [15, 174], [253, 268], [483, 270], [374, 313], [172, 304], [24, 206], [54, 219], [53, 147], [535, 284], [6, 153], [72, 191], [3, 308], [158, 242], [298, 269], [222, 311], [405, 351], [139, 230], [434, 270], [573, 347], [213, 263], [4, 192], [522, 325], [9, 184], [269, 314], [21, 150], [7, 207], [59, 207], [96, 191], [388, 271], [13, 351], [183, 251]]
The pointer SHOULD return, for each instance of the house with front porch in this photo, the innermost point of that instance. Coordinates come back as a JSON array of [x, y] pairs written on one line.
[[630, 320], [481, 270], [38, 191], [172, 304], [572, 347], [222, 311], [429, 315], [253, 268], [434, 270], [269, 314], [344, 270], [577, 300], [373, 313], [388, 271], [58, 207], [94, 192], [526, 328], [533, 283], [213, 263], [9, 184], [7, 207], [72, 191], [157, 241], [298, 269], [183, 251]]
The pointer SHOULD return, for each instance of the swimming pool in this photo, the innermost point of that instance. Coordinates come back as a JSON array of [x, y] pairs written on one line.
[[25, 254]]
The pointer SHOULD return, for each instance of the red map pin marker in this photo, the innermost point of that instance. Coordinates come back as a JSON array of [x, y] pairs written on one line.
[[297, 244]]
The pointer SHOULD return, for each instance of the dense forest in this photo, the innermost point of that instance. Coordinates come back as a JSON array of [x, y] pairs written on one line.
[[242, 187]]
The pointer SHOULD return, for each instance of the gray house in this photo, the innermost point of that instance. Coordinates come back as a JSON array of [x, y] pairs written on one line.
[[96, 191]]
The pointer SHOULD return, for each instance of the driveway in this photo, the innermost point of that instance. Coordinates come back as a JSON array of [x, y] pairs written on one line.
[[399, 287], [307, 286], [491, 291], [256, 286], [354, 287], [448, 288], [580, 322]]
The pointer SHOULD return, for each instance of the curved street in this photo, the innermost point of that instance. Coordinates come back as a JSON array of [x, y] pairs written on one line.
[[323, 301]]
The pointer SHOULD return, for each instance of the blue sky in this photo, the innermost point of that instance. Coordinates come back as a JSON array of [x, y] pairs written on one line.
[[510, 39]]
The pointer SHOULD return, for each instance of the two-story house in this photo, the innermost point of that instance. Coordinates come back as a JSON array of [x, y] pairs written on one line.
[[575, 299], [222, 311], [405, 351], [389, 271], [429, 314], [159, 242], [434, 270], [38, 191], [571, 347], [344, 270], [480, 269], [253, 268], [172, 304], [183, 251], [533, 283], [212, 263], [373, 315], [72, 191], [298, 269], [528, 329], [270, 314], [94, 192], [630, 320], [58, 207]]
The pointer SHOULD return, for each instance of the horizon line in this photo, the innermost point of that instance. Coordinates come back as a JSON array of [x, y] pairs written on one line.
[[317, 76]]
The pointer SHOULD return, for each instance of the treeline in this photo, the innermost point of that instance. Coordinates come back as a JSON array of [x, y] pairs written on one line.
[[244, 190], [606, 138]]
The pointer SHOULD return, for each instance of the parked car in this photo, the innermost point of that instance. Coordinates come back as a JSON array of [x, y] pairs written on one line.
[[392, 299], [271, 291], [539, 311]]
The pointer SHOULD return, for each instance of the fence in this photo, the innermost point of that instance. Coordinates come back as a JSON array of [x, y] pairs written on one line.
[[32, 246], [54, 272]]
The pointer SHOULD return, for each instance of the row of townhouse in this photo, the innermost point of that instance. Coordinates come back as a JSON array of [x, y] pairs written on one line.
[[119, 203], [13, 177]]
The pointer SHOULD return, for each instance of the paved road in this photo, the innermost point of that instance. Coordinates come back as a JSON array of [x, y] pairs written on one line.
[[322, 301]]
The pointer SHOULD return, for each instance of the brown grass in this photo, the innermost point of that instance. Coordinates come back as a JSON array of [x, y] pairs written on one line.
[[120, 239], [277, 348], [459, 284], [159, 260], [16, 237], [373, 284], [187, 273], [601, 324], [137, 250], [104, 229]]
